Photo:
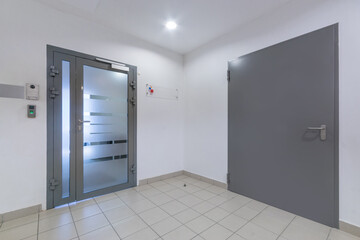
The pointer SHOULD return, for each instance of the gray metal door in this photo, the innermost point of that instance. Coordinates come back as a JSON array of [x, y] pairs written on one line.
[[91, 126], [283, 125]]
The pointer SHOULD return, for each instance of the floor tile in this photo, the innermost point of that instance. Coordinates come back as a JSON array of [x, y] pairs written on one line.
[[250, 210], [118, 214], [125, 192], [190, 188], [235, 237], [129, 226], [235, 203], [216, 232], [233, 222], [111, 204], [254, 232], [143, 187], [202, 184], [150, 192], [336, 234], [302, 228], [217, 200], [203, 207], [197, 238], [273, 219], [106, 233], [181, 233], [176, 193], [173, 207], [132, 197], [91, 223], [228, 194], [80, 204], [165, 226], [20, 232], [200, 224], [19, 222], [31, 238], [186, 215], [204, 194], [216, 214], [153, 215], [166, 187], [190, 200], [215, 189], [105, 198], [158, 184], [55, 221], [84, 212], [144, 234], [141, 206], [160, 199], [65, 232], [54, 212]]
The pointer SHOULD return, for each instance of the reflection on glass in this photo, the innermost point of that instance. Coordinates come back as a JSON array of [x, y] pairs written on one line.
[[105, 128], [65, 129]]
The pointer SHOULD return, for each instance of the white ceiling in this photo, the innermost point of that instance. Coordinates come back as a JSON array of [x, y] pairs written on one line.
[[199, 21]]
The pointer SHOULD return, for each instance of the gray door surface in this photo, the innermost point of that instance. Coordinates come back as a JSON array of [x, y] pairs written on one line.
[[91, 126], [283, 125]]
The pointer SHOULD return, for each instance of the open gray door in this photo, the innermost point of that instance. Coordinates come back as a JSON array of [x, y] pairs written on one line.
[[283, 125]]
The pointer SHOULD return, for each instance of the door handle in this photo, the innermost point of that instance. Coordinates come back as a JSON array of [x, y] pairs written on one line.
[[322, 130], [81, 121]]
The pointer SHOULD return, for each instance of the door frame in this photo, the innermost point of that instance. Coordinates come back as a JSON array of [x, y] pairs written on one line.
[[132, 121], [336, 115]]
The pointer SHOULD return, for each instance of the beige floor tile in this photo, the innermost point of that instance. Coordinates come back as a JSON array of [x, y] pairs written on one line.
[[153, 215], [203, 207], [197, 238], [336, 234], [217, 200], [181, 233], [215, 189], [233, 222], [104, 198], [235, 237], [165, 226], [118, 214], [190, 200], [173, 207], [111, 204], [302, 228], [91, 223], [166, 187], [55, 221], [190, 188], [216, 232], [19, 222], [144, 234], [229, 195], [80, 204], [65, 232], [54, 212], [129, 226], [216, 214], [132, 197], [187, 215], [254, 232], [176, 193], [106, 233], [204, 194], [160, 199], [141, 206], [200, 224], [201, 184], [20, 232], [84, 212], [235, 203], [250, 210], [150, 192]]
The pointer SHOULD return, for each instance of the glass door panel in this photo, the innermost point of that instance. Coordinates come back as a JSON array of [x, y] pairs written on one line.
[[104, 123]]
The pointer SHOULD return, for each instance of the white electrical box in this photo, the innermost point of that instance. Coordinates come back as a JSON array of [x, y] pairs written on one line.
[[32, 91]]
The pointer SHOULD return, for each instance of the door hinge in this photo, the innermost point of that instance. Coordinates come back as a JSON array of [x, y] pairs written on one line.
[[133, 169], [53, 183], [228, 75], [53, 93], [228, 178], [133, 101], [133, 84], [53, 71]]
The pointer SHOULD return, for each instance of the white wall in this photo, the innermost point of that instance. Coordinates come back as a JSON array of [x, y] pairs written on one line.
[[206, 89], [25, 29]]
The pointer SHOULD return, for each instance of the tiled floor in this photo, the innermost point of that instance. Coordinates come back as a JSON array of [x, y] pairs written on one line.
[[170, 211]]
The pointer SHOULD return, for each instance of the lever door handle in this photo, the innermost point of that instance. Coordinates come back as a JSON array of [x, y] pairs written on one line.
[[81, 121], [322, 130]]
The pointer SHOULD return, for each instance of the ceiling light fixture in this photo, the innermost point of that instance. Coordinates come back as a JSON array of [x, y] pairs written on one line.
[[171, 25]]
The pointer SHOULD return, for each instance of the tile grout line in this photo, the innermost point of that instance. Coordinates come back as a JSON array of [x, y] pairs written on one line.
[[72, 217], [38, 226], [107, 217], [286, 227]]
